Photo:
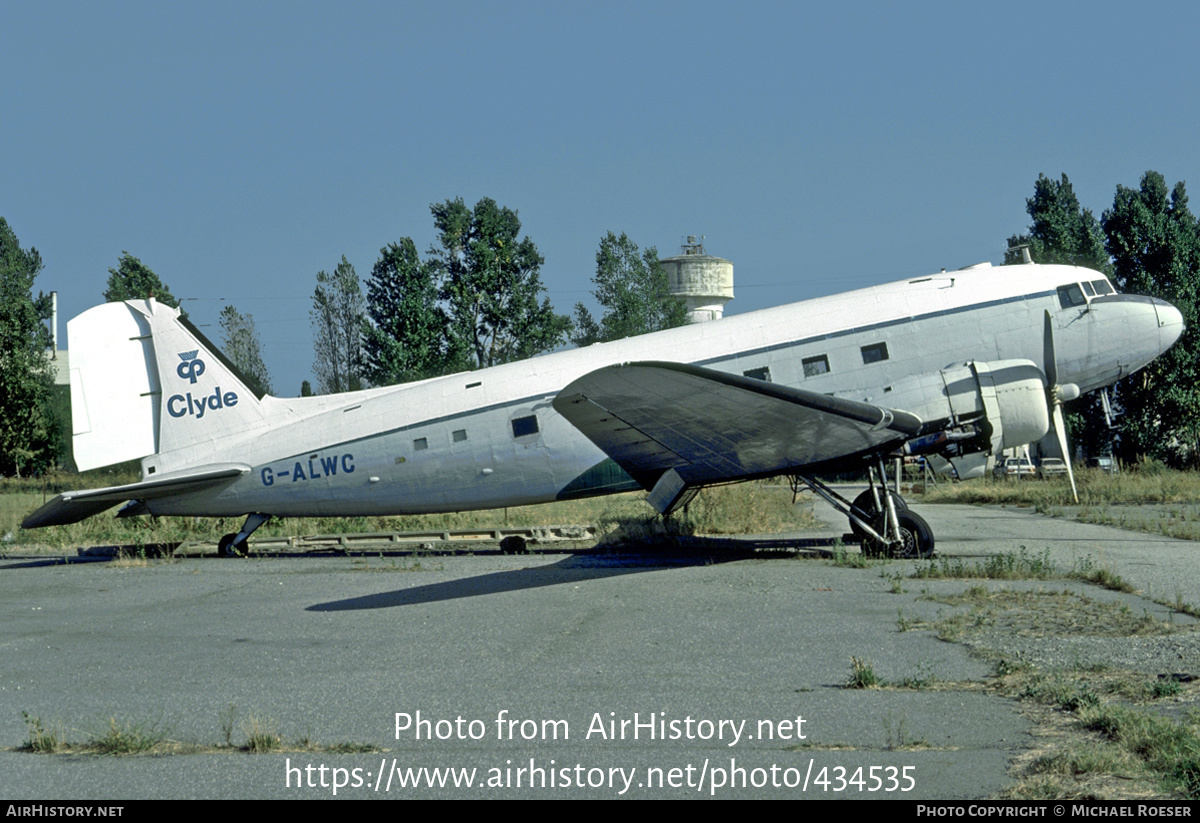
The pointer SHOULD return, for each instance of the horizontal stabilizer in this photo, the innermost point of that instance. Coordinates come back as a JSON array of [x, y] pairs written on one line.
[[71, 507]]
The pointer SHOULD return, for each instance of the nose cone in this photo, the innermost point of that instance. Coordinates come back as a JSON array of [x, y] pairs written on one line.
[[1170, 324]]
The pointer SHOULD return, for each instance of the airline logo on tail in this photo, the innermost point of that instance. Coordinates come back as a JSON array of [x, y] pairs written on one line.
[[190, 369]]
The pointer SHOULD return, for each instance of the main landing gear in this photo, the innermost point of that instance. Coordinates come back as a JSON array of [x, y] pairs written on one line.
[[234, 545], [880, 519]]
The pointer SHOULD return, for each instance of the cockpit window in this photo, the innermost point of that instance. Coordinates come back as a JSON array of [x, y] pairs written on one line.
[[1071, 295], [1103, 287], [1088, 290]]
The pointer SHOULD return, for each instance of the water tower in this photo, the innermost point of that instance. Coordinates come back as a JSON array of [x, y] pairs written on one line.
[[703, 282]]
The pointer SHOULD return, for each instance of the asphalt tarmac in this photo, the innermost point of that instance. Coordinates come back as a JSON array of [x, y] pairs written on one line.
[[600, 675]]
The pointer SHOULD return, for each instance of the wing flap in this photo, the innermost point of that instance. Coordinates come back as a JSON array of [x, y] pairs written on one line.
[[73, 506], [710, 426]]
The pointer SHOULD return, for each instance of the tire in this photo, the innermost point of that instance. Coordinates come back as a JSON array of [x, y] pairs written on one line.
[[916, 538], [865, 503], [226, 547], [514, 544]]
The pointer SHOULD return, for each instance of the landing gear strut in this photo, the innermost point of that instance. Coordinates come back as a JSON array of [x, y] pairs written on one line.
[[880, 519], [234, 545]]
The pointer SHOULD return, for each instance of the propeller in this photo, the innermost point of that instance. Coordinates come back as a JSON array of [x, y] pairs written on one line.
[[1057, 394]]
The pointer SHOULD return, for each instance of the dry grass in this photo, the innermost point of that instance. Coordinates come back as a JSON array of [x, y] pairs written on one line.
[[745, 508], [1149, 484]]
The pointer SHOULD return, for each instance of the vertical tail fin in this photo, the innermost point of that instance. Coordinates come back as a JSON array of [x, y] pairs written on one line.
[[144, 381]]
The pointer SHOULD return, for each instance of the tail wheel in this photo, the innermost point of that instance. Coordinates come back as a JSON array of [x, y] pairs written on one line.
[[227, 548]]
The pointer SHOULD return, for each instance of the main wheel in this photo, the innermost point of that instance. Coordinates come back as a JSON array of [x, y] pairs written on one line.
[[916, 538], [227, 548], [865, 502]]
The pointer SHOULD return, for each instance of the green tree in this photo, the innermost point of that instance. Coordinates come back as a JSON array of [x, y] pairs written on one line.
[[337, 317], [241, 345], [1062, 230], [26, 424], [133, 280], [406, 338], [633, 289], [491, 285], [1154, 241]]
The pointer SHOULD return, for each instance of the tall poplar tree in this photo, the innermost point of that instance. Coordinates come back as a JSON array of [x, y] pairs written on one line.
[[134, 280], [1062, 230], [240, 343], [632, 287], [491, 284], [406, 337], [27, 428], [337, 319], [1154, 241]]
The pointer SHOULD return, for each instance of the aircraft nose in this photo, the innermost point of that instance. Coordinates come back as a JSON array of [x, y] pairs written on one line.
[[1170, 323]]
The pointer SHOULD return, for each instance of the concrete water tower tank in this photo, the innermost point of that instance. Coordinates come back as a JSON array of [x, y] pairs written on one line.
[[704, 282]]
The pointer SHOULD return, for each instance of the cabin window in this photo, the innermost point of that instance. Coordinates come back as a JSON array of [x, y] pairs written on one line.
[[814, 366], [459, 435], [420, 444], [874, 353], [759, 374], [1071, 295], [523, 426], [1102, 287]]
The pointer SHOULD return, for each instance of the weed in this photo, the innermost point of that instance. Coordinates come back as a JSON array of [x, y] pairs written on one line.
[[862, 675], [1165, 687], [227, 718], [1171, 749], [923, 679], [1006, 666], [261, 736], [42, 739], [1008, 566], [1108, 579], [895, 729], [850, 560], [126, 737], [1088, 758]]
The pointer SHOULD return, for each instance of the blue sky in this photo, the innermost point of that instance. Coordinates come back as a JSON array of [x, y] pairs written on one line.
[[239, 148]]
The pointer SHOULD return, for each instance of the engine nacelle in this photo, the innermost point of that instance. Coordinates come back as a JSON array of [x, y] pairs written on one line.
[[1004, 401], [1012, 394]]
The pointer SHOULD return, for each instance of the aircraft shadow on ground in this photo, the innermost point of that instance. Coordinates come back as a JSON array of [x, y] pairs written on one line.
[[590, 565]]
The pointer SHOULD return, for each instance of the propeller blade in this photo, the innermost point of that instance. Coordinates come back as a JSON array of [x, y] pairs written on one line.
[[1060, 429], [1056, 394], [1049, 362]]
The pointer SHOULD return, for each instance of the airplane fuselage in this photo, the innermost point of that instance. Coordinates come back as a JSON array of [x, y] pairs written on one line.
[[490, 438]]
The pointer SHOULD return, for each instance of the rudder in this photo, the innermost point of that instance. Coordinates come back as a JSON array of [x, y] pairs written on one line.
[[144, 381]]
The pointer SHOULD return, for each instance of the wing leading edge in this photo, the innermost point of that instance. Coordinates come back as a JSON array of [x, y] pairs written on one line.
[[709, 426], [71, 507]]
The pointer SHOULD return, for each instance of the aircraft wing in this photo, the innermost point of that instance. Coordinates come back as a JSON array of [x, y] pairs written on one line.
[[71, 507], [709, 426]]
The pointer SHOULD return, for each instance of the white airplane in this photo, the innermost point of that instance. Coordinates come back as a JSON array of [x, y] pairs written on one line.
[[941, 365]]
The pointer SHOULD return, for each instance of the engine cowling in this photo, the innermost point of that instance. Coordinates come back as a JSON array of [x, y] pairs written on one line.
[[1003, 402], [1012, 394]]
